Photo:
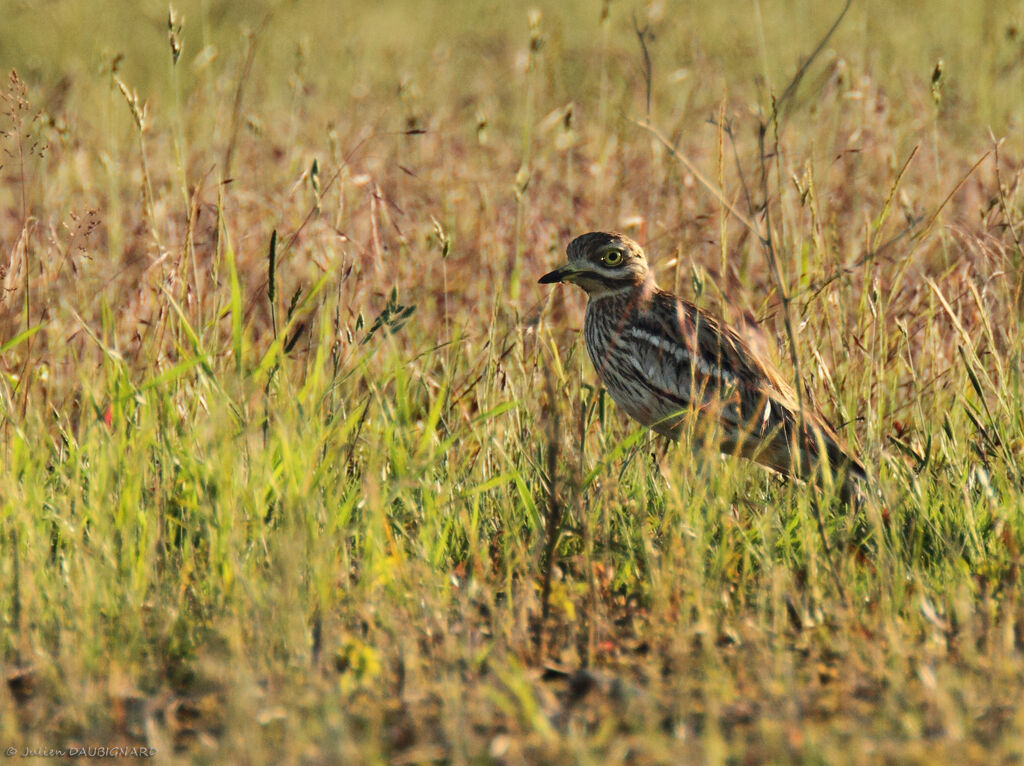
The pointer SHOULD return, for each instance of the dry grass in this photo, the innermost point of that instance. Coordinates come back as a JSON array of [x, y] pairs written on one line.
[[300, 464]]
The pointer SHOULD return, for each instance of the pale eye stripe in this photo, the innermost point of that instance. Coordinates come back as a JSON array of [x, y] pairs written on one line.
[[682, 355]]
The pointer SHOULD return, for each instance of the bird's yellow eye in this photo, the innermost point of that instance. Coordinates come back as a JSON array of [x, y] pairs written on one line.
[[612, 257]]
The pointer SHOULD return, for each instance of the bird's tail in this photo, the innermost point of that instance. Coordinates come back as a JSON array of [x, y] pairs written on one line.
[[806, 447]]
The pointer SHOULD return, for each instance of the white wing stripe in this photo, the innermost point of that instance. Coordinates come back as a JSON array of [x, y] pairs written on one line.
[[682, 355]]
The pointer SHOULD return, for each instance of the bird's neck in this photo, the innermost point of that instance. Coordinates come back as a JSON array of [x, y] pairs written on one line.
[[625, 290], [624, 302]]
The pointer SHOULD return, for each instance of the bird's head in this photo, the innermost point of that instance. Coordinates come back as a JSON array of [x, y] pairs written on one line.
[[602, 263]]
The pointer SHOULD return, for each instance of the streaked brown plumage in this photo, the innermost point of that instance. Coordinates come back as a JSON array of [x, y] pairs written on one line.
[[661, 358]]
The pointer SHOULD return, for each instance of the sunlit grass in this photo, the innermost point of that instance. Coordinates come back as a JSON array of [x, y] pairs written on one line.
[[300, 464]]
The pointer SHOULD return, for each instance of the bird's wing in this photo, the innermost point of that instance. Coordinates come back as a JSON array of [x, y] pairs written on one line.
[[697, 358], [694, 360], [678, 358]]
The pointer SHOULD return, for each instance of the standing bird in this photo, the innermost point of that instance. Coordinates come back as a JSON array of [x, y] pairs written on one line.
[[661, 358]]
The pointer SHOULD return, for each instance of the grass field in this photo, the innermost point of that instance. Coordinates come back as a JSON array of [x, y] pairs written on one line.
[[300, 465]]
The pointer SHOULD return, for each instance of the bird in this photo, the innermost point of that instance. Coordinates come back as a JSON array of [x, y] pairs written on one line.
[[663, 361]]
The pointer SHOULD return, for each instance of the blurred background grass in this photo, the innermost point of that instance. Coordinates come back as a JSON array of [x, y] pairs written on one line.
[[307, 523], [358, 45]]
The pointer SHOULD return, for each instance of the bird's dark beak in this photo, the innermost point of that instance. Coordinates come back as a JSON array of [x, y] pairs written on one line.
[[561, 274]]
